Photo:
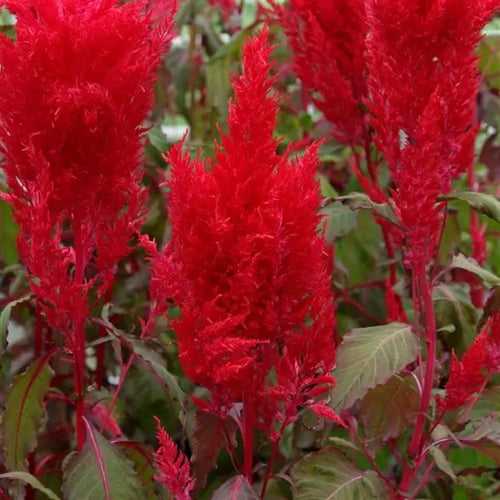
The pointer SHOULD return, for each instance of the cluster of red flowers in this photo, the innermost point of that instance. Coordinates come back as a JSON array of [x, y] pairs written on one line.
[[76, 86], [469, 376], [328, 39], [423, 83], [247, 266]]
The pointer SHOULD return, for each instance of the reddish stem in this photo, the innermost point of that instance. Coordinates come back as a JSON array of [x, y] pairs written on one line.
[[248, 428], [79, 344], [422, 298]]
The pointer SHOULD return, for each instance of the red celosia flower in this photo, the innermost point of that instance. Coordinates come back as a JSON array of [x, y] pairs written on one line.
[[423, 83], [328, 41], [468, 376], [246, 264], [172, 466], [76, 85]]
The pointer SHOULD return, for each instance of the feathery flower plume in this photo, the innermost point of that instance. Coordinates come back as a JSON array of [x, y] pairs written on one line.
[[328, 42], [76, 85], [423, 83], [172, 466], [247, 265], [469, 376]]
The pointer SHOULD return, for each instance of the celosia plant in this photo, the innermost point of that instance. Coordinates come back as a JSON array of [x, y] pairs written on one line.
[[247, 268]]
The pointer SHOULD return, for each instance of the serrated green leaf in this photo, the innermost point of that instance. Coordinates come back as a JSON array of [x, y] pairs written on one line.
[[328, 475], [462, 262], [370, 356], [340, 220], [157, 364], [482, 202], [487, 404], [27, 478], [24, 412], [399, 398], [236, 488], [142, 461], [327, 190], [360, 201], [485, 428], [5, 318], [99, 472], [442, 462]]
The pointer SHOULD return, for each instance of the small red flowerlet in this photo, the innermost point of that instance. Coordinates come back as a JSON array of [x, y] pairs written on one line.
[[423, 83], [172, 466], [469, 376]]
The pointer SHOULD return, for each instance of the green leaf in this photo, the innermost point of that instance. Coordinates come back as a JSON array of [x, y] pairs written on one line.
[[27, 478], [453, 307], [142, 460], [399, 398], [462, 262], [8, 228], [157, 364], [99, 472], [487, 404], [327, 190], [24, 412], [360, 201], [482, 202], [328, 475], [370, 356], [218, 70], [5, 318], [442, 462], [340, 220], [485, 428], [236, 488]]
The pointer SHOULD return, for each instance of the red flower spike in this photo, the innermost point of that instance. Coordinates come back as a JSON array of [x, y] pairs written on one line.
[[76, 86], [328, 41], [172, 466], [246, 264], [467, 377], [426, 130], [482, 359]]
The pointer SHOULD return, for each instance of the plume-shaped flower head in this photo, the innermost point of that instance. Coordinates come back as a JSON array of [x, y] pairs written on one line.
[[246, 263], [172, 466], [75, 87], [423, 83], [328, 41]]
